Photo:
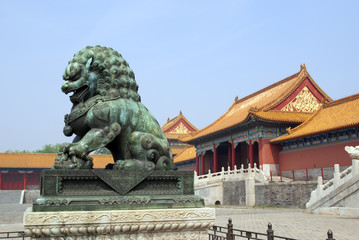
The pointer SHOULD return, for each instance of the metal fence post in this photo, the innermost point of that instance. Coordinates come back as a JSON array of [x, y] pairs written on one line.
[[330, 235], [214, 233], [230, 230], [270, 232]]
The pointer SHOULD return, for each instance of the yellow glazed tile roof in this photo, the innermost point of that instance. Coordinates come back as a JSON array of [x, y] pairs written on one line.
[[43, 160], [339, 114], [280, 116], [180, 130], [176, 149], [260, 101], [188, 153]]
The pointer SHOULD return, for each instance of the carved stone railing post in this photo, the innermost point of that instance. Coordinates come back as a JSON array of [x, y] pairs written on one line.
[[336, 178], [319, 187], [354, 155], [209, 174], [355, 164], [250, 173], [195, 178]]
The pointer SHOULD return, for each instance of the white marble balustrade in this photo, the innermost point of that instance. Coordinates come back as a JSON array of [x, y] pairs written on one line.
[[230, 175]]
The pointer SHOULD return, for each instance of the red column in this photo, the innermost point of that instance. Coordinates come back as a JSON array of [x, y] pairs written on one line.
[[233, 156], [0, 180], [260, 157], [25, 180], [197, 164], [229, 151], [251, 160], [202, 163], [215, 159]]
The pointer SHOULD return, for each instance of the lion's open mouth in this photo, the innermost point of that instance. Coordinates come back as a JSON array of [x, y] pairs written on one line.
[[79, 94]]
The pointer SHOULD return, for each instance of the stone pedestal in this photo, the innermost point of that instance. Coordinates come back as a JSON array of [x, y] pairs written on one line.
[[185, 223]]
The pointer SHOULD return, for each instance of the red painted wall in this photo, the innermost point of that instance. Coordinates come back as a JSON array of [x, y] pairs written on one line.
[[12, 180], [316, 157], [187, 169], [270, 152]]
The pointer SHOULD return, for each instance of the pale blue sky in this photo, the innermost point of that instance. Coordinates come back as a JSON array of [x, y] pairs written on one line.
[[194, 56]]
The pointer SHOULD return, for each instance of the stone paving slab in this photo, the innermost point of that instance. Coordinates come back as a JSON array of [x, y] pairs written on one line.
[[10, 196], [293, 223]]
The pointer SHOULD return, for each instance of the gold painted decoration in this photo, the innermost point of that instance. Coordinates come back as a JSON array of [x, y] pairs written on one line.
[[180, 129], [305, 101]]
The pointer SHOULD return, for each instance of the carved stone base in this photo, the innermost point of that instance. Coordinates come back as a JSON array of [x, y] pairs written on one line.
[[189, 223], [103, 189]]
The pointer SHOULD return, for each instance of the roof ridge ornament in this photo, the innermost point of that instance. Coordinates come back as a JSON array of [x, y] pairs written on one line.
[[289, 130], [303, 67]]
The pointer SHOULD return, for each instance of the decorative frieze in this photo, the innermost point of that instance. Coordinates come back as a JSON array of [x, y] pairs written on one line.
[[189, 223], [242, 136], [330, 137]]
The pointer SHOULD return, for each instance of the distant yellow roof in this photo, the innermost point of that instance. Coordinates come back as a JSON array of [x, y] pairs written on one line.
[[261, 104], [177, 149], [339, 114], [43, 160], [178, 127], [188, 153]]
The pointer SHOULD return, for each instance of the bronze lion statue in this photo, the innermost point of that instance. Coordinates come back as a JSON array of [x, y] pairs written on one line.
[[107, 112]]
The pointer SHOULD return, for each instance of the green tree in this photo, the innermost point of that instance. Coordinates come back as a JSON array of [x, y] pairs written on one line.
[[49, 148], [17, 151]]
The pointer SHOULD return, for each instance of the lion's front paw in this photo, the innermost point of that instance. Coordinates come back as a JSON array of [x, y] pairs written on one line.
[[63, 161], [73, 156]]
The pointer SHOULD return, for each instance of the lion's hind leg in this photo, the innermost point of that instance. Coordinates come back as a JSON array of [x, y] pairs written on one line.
[[148, 148]]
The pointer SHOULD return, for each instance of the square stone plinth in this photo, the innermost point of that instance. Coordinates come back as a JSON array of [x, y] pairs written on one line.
[[183, 223]]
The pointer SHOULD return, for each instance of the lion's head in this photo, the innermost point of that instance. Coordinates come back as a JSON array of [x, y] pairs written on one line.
[[99, 71]]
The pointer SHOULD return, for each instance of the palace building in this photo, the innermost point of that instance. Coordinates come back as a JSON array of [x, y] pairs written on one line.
[[319, 142], [255, 129], [176, 128]]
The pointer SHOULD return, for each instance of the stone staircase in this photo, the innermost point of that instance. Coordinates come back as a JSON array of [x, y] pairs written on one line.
[[340, 195]]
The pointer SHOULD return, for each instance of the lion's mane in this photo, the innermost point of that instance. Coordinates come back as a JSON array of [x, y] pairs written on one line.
[[113, 72]]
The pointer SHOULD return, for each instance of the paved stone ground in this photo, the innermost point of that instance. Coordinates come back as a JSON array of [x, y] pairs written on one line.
[[293, 223], [10, 196]]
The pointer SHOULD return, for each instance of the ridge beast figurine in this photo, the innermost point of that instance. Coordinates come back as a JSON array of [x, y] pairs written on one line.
[[107, 112]]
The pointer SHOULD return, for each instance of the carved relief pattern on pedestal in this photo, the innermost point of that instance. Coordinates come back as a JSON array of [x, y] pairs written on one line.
[[305, 101], [186, 223]]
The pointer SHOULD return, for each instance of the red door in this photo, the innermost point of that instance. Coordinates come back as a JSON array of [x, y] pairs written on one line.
[[33, 180], [12, 181]]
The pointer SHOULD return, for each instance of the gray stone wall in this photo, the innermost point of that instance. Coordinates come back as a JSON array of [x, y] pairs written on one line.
[[292, 194], [289, 194], [234, 193], [31, 195]]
